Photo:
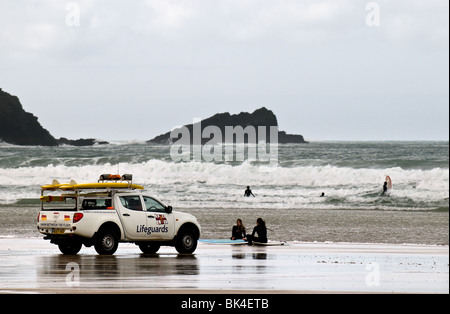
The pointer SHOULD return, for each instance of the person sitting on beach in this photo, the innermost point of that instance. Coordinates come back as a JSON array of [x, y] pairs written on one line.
[[248, 192], [261, 230], [238, 232]]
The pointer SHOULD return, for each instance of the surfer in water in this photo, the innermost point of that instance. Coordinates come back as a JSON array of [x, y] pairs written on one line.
[[385, 188], [238, 231], [248, 192], [261, 230]]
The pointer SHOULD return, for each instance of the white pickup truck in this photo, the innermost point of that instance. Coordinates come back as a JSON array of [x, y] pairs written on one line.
[[105, 213]]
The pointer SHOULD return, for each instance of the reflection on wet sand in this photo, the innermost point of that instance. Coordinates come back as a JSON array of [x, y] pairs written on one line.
[[228, 269], [31, 265], [140, 271], [253, 256]]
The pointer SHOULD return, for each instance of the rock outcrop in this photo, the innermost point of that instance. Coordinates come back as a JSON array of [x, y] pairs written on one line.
[[259, 118], [80, 142], [19, 127]]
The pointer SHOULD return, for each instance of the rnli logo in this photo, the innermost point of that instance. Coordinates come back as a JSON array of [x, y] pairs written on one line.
[[161, 219]]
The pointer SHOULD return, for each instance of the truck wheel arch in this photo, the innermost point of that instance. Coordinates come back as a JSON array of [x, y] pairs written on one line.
[[111, 226], [189, 226]]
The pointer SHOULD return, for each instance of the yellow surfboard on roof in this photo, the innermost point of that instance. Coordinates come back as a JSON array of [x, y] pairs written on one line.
[[104, 185], [73, 185], [56, 185]]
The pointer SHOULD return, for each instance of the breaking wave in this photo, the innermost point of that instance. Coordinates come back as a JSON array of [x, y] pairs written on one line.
[[209, 185]]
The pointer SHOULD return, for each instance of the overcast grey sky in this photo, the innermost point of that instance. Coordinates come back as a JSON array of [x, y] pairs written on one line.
[[330, 70]]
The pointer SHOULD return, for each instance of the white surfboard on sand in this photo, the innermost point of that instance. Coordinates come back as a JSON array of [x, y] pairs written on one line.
[[270, 243], [223, 241], [240, 242]]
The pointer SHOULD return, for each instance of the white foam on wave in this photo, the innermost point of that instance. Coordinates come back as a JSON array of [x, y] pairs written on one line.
[[162, 172], [220, 185]]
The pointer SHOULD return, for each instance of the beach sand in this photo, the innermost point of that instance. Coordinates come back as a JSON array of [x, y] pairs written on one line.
[[33, 265]]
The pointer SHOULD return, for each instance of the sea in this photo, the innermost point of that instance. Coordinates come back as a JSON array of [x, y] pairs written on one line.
[[287, 190]]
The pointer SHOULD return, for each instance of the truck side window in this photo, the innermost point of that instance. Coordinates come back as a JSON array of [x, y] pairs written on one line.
[[131, 202], [96, 204], [152, 205]]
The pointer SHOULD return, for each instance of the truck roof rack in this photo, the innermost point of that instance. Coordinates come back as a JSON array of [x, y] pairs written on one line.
[[106, 181]]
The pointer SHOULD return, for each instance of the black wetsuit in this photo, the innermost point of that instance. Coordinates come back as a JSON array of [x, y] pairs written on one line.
[[262, 235], [237, 234], [384, 188], [248, 192]]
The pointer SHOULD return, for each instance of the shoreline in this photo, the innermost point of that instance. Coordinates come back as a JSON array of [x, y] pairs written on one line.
[[289, 243], [33, 265]]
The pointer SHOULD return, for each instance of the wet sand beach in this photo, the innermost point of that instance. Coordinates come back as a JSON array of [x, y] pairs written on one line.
[[33, 265]]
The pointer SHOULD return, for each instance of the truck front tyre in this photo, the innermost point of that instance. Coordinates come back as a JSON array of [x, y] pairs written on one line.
[[186, 242], [106, 242], [70, 247]]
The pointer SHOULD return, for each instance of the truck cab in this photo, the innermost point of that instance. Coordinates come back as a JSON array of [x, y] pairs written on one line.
[[105, 213]]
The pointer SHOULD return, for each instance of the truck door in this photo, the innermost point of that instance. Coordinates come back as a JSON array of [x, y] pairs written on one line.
[[133, 216], [160, 222]]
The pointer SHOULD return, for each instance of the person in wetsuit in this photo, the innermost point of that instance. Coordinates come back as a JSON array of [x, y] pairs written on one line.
[[261, 230], [248, 192], [384, 187], [238, 231]]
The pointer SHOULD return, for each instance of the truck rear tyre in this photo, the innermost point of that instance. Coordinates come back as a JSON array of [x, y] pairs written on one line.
[[186, 242], [70, 247], [106, 242]]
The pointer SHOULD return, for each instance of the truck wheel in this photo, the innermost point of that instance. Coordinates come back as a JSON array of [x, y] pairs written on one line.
[[149, 248], [70, 247], [186, 242], [106, 242]]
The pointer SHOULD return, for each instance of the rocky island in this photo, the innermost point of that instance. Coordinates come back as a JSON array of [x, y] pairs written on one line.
[[262, 117], [19, 127]]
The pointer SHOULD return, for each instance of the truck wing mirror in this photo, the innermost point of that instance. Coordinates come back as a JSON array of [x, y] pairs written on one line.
[[169, 209]]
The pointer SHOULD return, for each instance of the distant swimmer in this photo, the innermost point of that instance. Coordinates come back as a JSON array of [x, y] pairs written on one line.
[[238, 231], [323, 194], [261, 230], [248, 192]]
